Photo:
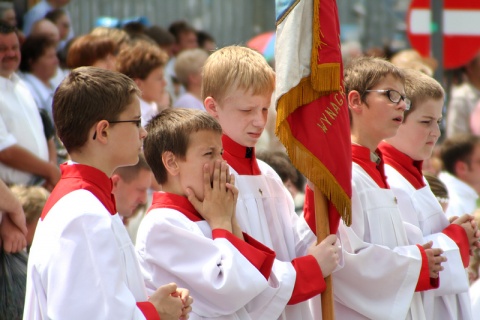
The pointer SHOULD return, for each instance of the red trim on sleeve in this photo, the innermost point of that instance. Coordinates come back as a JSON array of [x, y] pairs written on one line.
[[459, 236], [424, 281], [260, 256], [309, 281], [148, 310]]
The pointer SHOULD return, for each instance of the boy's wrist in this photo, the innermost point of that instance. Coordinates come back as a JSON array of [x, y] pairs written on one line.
[[221, 224]]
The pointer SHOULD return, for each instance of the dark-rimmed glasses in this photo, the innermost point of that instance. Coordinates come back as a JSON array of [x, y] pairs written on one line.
[[394, 96], [138, 123]]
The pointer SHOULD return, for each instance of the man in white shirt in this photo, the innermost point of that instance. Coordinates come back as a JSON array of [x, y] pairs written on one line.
[[460, 155], [23, 147]]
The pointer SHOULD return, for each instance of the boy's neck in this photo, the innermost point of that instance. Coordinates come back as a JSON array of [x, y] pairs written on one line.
[[171, 187], [364, 141], [242, 159], [95, 161]]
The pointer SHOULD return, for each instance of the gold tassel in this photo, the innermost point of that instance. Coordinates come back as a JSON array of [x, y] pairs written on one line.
[[325, 77]]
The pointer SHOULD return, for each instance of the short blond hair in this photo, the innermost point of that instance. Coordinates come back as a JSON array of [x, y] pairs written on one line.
[[189, 62], [420, 87], [33, 199], [233, 68]]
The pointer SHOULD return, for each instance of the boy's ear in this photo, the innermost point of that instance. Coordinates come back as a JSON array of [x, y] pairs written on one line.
[[115, 179], [170, 162], [355, 101], [100, 131], [139, 83], [211, 106], [461, 169]]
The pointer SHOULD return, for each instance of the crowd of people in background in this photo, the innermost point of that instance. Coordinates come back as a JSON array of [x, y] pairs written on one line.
[[166, 63]]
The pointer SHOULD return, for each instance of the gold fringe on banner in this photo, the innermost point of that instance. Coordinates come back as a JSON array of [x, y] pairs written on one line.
[[310, 165], [324, 79]]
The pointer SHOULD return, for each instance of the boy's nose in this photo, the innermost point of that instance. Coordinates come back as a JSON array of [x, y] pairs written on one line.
[[143, 133], [260, 120], [402, 105], [436, 131]]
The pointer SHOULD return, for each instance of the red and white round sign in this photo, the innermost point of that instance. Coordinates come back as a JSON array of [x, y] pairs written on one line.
[[461, 30]]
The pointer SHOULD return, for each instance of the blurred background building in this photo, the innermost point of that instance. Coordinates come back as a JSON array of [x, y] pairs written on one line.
[[373, 23]]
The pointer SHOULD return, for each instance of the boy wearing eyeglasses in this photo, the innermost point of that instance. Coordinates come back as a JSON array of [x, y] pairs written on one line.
[[82, 263], [383, 273]]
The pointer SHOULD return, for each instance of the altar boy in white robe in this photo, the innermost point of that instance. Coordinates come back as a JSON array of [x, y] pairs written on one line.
[[237, 90], [82, 263], [226, 270], [383, 272], [404, 154]]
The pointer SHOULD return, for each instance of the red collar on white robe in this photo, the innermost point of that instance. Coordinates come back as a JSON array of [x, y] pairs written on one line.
[[410, 169], [77, 177], [176, 202], [361, 156], [241, 159]]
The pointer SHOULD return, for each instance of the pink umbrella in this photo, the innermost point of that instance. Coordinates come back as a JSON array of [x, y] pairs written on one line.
[[264, 43]]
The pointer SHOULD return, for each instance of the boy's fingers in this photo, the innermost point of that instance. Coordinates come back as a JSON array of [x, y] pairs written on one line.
[[223, 174], [207, 187], [193, 199], [216, 175], [451, 219], [330, 239], [229, 176], [464, 218], [427, 245]]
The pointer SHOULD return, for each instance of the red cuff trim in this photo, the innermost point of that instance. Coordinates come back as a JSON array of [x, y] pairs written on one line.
[[148, 310], [309, 281], [260, 256], [459, 236], [424, 282]]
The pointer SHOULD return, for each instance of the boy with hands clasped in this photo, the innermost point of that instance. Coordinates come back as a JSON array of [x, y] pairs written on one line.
[[190, 233]]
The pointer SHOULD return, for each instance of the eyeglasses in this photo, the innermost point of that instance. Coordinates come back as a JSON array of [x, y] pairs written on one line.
[[138, 124], [394, 96]]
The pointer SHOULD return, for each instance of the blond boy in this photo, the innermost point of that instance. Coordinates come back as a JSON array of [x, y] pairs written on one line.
[[237, 88], [226, 270]]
